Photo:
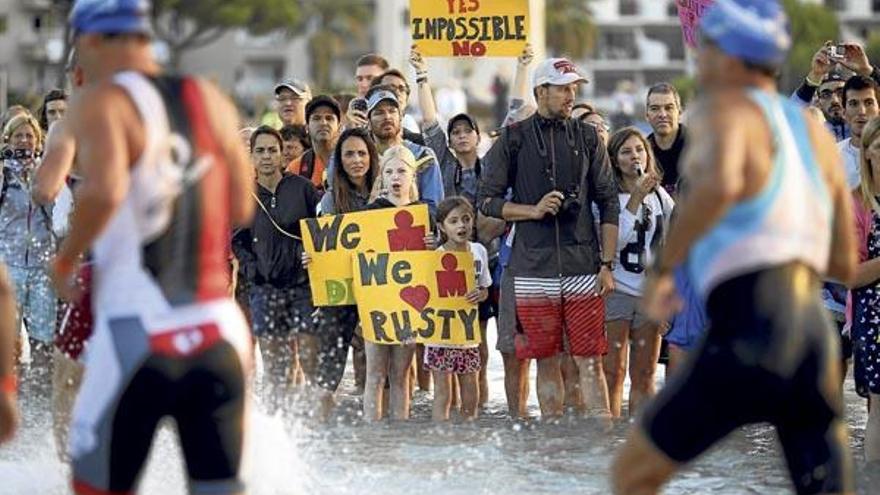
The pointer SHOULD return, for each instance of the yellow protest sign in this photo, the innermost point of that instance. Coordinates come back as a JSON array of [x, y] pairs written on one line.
[[469, 28], [332, 240], [416, 295]]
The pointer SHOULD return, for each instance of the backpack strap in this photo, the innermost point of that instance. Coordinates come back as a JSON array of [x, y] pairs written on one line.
[[514, 145], [307, 165]]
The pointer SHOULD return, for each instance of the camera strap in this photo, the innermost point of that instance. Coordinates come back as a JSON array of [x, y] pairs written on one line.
[[274, 223], [5, 186]]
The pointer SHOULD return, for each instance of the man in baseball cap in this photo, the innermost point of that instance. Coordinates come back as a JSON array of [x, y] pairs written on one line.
[[759, 177], [556, 167], [291, 97], [558, 72], [379, 95], [323, 115], [562, 74]]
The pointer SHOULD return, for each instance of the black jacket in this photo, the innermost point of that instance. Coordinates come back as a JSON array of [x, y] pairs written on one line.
[[521, 159], [266, 255]]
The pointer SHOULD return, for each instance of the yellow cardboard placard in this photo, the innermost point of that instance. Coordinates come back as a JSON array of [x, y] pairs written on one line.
[[469, 28], [332, 240], [416, 296]]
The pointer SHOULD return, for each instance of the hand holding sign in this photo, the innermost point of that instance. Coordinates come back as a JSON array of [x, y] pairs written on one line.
[[525, 58], [469, 28], [331, 241]]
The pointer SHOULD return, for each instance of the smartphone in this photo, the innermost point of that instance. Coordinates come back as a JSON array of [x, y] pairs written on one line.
[[358, 104]]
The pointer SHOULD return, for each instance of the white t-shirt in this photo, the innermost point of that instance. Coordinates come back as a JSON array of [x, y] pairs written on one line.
[[483, 277], [637, 236], [850, 155]]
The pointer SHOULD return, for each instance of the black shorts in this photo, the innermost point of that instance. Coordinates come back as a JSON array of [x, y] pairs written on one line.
[[133, 379], [489, 308], [336, 326], [281, 312], [770, 355]]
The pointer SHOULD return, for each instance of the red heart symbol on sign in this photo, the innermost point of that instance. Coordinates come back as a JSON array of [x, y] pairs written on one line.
[[416, 296]]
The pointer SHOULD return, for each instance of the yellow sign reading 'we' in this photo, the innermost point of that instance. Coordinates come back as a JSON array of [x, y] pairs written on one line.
[[469, 28], [331, 241], [416, 296]]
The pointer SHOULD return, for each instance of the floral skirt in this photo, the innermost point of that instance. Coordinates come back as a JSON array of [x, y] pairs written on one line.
[[452, 359]]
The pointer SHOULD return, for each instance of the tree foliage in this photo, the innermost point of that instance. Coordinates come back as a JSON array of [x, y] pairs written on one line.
[[332, 24], [186, 24], [811, 26], [569, 28], [872, 48]]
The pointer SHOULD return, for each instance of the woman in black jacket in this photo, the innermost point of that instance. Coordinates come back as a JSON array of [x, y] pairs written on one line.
[[269, 252]]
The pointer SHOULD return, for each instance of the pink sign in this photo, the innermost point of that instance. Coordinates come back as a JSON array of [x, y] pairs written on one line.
[[690, 11]]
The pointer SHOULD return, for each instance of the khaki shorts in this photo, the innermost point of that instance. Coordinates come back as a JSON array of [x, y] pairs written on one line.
[[624, 307]]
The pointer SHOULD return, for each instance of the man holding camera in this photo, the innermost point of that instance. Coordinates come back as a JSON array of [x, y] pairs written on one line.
[[551, 290], [826, 83]]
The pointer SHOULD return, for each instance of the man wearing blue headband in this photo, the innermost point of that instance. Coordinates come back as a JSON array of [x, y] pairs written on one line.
[[165, 179], [765, 218]]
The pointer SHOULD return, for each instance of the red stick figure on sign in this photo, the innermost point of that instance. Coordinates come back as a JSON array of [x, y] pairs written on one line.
[[451, 282], [406, 237]]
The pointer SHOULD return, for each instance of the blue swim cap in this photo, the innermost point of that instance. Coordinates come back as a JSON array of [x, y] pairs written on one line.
[[755, 31], [111, 17]]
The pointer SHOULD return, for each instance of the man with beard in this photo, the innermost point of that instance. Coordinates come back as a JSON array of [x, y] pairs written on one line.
[[394, 80], [556, 167], [385, 114]]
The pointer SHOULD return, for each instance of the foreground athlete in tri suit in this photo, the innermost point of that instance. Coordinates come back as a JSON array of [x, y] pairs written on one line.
[[766, 216], [8, 386], [165, 179]]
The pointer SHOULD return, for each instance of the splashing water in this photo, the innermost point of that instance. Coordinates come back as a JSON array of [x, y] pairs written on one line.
[[286, 454]]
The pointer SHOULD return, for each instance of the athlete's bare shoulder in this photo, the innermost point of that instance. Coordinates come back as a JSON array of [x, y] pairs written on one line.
[[105, 109], [722, 139]]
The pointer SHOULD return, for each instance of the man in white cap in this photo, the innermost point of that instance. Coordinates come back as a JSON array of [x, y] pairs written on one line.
[[556, 167], [291, 98]]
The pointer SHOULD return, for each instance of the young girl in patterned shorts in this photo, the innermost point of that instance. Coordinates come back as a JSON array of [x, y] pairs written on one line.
[[455, 217]]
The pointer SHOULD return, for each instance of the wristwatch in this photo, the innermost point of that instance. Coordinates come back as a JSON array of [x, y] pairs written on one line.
[[607, 264]]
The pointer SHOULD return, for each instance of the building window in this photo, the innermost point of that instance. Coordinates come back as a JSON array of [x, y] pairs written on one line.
[[875, 6], [629, 7], [672, 9], [837, 5]]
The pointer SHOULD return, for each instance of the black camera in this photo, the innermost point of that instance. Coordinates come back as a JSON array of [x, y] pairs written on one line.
[[571, 203], [9, 154]]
